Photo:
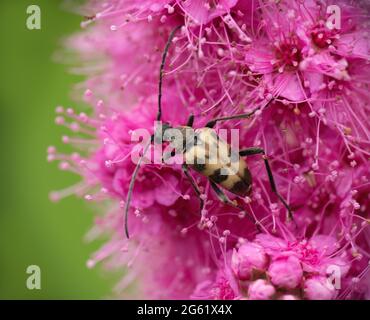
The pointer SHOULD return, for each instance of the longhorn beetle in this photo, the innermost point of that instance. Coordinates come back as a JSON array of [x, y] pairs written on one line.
[[238, 183]]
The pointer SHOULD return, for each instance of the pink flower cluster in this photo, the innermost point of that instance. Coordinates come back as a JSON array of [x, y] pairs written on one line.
[[229, 57], [273, 268]]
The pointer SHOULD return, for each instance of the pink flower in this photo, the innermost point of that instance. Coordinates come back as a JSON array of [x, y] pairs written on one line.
[[248, 258], [314, 255], [260, 290], [318, 288], [203, 11], [286, 272], [283, 270], [225, 287]]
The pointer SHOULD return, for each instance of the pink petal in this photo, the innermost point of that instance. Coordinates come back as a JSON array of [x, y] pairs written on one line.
[[202, 13]]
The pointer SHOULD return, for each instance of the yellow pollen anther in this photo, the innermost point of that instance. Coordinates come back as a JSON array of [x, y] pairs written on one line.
[[310, 178], [347, 131]]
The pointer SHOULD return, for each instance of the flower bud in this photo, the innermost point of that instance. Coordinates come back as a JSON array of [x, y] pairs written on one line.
[[260, 290], [249, 257], [318, 288], [286, 272]]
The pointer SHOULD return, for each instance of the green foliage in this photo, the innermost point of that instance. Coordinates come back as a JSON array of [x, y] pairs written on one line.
[[32, 229]]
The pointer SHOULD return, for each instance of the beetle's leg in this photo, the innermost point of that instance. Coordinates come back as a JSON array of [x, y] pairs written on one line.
[[132, 184], [225, 199], [253, 151], [195, 186], [190, 121], [213, 122]]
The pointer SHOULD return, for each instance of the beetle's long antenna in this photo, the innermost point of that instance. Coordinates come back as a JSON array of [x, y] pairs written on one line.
[[159, 116], [164, 55], [131, 187]]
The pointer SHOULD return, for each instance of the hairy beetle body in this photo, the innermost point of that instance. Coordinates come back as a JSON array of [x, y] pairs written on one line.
[[214, 158]]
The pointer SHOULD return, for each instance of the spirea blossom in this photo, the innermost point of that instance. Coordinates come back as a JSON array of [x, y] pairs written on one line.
[[228, 57], [291, 268]]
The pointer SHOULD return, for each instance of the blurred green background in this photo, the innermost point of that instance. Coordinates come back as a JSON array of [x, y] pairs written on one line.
[[32, 229]]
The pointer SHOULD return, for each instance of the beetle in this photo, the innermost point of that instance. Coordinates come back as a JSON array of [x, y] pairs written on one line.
[[238, 182]]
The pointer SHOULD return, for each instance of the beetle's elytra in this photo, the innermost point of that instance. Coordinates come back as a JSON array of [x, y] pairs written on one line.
[[219, 166]]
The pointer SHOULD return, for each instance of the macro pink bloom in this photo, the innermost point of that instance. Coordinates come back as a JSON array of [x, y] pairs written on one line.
[[225, 286], [286, 272], [260, 290], [316, 65], [203, 11], [286, 268], [317, 288], [248, 258], [227, 58]]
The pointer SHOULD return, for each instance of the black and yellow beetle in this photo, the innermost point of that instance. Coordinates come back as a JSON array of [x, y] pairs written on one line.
[[238, 182]]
